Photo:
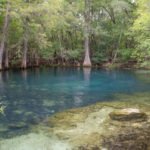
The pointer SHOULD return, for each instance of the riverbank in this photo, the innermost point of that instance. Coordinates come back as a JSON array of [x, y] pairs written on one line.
[[104, 65]]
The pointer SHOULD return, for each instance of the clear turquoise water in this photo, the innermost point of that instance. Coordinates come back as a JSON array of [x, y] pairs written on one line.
[[32, 95]]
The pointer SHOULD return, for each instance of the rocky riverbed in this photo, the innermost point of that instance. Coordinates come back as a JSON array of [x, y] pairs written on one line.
[[117, 125], [103, 126]]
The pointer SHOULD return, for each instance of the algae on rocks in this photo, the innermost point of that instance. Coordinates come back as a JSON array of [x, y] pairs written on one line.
[[123, 124], [128, 114], [98, 126]]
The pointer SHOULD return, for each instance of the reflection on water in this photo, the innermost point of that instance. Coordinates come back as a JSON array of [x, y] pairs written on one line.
[[87, 74], [24, 75], [1, 81], [31, 95], [78, 94]]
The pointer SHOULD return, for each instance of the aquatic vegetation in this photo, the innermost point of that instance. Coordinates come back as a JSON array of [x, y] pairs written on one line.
[[2, 109], [88, 128], [66, 88], [128, 114], [131, 138], [75, 109]]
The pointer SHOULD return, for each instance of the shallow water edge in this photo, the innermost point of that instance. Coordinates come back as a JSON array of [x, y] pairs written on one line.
[[89, 128]]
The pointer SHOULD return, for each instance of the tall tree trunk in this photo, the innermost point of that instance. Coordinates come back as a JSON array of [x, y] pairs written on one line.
[[25, 50], [6, 61], [36, 59], [25, 46], [4, 34], [87, 61], [118, 45]]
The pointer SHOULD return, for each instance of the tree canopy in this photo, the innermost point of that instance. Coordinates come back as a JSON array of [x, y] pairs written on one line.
[[67, 32]]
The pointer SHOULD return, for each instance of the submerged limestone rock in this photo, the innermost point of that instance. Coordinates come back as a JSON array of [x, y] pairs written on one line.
[[129, 138], [81, 127], [33, 141], [99, 126], [117, 125], [128, 114], [18, 125]]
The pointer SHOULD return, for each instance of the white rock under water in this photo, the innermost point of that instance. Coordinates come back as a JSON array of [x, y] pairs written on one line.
[[33, 141]]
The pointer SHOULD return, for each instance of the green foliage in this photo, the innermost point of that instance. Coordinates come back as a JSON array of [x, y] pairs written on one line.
[[141, 30], [118, 29], [126, 54], [2, 109]]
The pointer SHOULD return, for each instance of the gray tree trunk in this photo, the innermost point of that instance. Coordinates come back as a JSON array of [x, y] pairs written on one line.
[[87, 61], [6, 61], [36, 60], [25, 47], [4, 34]]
